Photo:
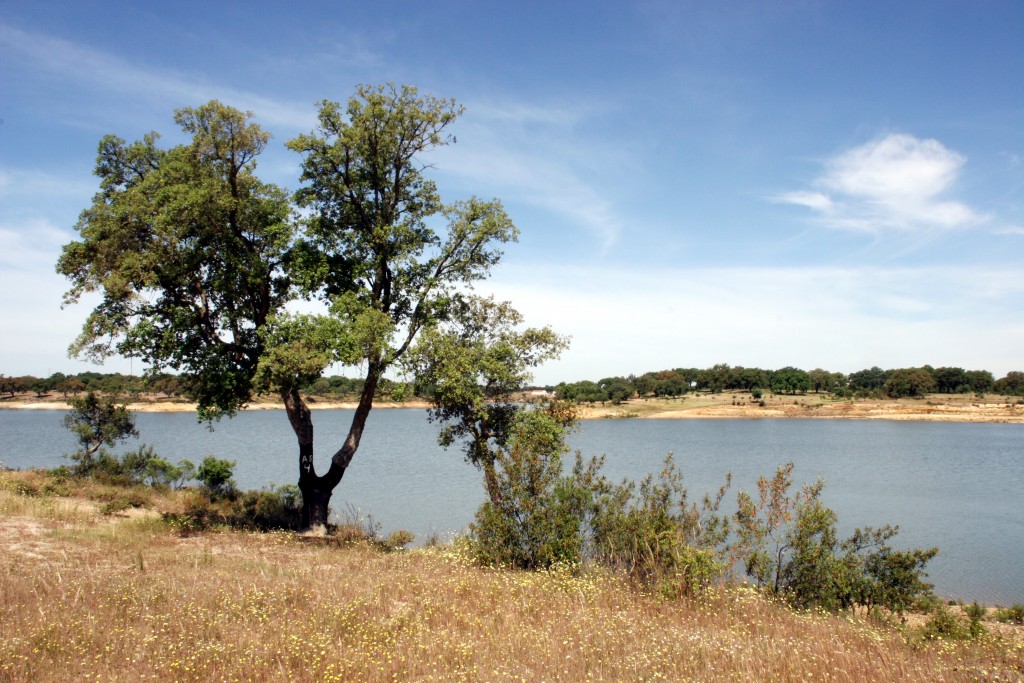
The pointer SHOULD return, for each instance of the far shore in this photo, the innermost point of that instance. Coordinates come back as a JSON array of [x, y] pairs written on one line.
[[724, 405]]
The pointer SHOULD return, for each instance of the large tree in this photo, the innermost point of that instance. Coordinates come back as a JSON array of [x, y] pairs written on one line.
[[196, 258]]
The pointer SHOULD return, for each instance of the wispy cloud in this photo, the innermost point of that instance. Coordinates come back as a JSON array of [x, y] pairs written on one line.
[[529, 153], [107, 73], [895, 183]]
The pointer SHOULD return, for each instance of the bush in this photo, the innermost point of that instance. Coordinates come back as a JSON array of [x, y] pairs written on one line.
[[946, 625], [97, 422], [788, 545], [160, 472], [1010, 615], [656, 536], [265, 510], [537, 519], [215, 475]]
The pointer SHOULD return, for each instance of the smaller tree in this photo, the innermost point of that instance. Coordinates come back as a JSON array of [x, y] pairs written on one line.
[[215, 475], [536, 518], [473, 369], [97, 421], [789, 546]]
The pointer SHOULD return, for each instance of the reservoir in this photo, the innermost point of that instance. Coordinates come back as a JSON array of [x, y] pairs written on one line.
[[957, 486]]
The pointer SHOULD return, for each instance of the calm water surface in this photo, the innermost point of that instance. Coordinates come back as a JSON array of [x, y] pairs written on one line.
[[952, 485]]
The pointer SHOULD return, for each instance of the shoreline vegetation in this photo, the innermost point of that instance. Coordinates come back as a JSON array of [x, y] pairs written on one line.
[[185, 604], [725, 405]]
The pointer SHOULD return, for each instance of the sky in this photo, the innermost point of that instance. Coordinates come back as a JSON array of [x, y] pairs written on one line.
[[758, 183]]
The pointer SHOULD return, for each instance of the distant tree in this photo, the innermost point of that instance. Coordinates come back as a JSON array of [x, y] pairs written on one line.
[[950, 380], [980, 381], [97, 422], [15, 385], [644, 384], [71, 385], [869, 380], [1011, 385], [821, 380], [790, 380], [619, 392], [714, 379], [909, 382], [581, 392], [747, 379]]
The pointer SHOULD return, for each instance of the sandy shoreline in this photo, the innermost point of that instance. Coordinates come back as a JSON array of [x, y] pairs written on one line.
[[931, 409], [935, 408]]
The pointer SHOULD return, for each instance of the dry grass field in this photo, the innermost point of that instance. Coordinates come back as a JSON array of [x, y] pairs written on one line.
[[92, 597]]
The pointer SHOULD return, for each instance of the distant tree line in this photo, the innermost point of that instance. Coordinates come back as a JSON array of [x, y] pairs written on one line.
[[173, 386], [872, 382]]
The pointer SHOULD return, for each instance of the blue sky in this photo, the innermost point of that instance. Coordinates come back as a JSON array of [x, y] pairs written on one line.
[[820, 184]]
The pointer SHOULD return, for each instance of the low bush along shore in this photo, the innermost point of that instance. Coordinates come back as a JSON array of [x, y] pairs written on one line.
[[131, 597]]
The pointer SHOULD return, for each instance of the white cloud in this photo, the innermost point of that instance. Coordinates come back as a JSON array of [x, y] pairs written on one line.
[[1010, 230], [894, 183], [812, 200]]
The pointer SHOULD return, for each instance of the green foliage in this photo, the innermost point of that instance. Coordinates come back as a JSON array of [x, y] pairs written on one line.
[[1010, 385], [97, 421], [1010, 615], [945, 625], [160, 472], [657, 537], [215, 475], [542, 516], [536, 520], [581, 392], [196, 230], [788, 545], [790, 380], [475, 368], [266, 510], [909, 382]]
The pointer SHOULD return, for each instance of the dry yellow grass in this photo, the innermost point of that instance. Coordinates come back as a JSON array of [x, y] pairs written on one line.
[[85, 597]]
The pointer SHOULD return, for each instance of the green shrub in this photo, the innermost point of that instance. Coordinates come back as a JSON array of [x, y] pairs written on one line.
[[215, 475], [1010, 615], [788, 545], [945, 625], [537, 519], [277, 508], [399, 539], [654, 535], [160, 472]]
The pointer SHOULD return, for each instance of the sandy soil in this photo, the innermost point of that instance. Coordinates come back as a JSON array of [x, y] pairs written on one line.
[[936, 407]]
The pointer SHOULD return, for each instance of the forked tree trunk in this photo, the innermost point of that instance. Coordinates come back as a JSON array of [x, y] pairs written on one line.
[[317, 490]]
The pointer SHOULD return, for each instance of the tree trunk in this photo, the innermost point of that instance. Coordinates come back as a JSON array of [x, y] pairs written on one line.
[[317, 490]]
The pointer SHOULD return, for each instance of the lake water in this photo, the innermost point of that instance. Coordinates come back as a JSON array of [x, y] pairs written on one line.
[[952, 485]]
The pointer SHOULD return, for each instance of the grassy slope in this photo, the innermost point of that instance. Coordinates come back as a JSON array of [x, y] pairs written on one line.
[[89, 597]]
